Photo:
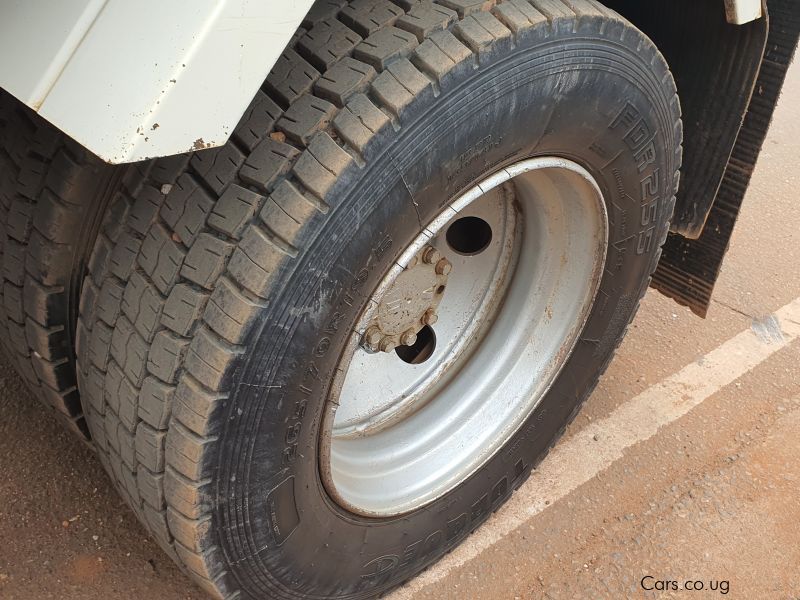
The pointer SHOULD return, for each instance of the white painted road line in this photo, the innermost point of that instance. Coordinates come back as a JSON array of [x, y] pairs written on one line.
[[578, 459]]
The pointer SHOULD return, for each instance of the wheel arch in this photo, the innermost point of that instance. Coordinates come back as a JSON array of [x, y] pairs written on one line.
[[717, 66]]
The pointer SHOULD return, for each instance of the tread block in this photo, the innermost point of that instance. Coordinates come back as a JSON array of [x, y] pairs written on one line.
[[123, 256], [14, 262], [195, 406], [385, 46], [399, 85], [51, 343], [142, 304], [46, 305], [190, 499], [359, 121], [217, 166], [518, 15], [93, 390], [126, 446], [66, 402], [263, 167], [166, 355], [254, 277], [306, 117], [186, 207], [290, 78], [261, 248], [257, 121], [206, 260], [407, 5], [150, 445], [327, 42], [185, 453], [30, 178], [100, 256], [322, 9], [285, 212], [183, 307], [129, 349], [121, 396], [155, 400], [161, 258], [553, 9], [13, 303], [465, 8], [19, 219], [64, 174], [100, 345], [166, 170], [426, 18], [319, 167], [47, 261], [151, 490], [210, 360], [145, 209], [440, 54], [483, 31], [109, 301], [235, 208], [368, 16], [55, 220], [344, 79], [55, 375], [230, 313]]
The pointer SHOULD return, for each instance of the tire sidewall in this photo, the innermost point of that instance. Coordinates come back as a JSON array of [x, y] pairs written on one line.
[[608, 114]]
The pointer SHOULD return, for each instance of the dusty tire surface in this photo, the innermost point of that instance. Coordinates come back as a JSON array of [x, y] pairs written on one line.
[[224, 284], [51, 191]]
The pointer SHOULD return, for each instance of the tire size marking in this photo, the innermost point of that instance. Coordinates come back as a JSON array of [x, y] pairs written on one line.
[[639, 139], [312, 382], [379, 570]]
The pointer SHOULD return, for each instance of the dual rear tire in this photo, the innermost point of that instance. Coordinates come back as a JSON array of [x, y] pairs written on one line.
[[226, 292]]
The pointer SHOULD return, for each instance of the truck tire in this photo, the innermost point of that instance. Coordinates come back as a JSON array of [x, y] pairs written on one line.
[[507, 169], [51, 191]]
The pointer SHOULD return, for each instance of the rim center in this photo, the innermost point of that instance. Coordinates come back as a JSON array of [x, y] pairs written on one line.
[[409, 303]]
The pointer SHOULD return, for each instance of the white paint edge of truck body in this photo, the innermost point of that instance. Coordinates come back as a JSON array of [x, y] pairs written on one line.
[[137, 80], [739, 12]]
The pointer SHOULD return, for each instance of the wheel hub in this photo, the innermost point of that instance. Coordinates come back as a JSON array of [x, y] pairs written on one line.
[[409, 303]]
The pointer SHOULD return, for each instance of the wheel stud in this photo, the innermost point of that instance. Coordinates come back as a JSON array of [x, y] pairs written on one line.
[[409, 338], [431, 255], [430, 317], [387, 345], [443, 267], [372, 337]]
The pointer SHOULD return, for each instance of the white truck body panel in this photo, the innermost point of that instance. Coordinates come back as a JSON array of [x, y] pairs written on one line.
[[740, 12], [135, 80]]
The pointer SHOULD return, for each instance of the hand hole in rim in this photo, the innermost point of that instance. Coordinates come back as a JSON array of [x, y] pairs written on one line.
[[421, 350], [469, 235]]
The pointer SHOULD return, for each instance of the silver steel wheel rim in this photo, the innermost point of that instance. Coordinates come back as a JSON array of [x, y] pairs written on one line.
[[396, 436]]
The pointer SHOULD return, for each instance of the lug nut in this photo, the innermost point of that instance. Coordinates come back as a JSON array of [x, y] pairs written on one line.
[[443, 267], [372, 337], [413, 262], [431, 255], [430, 317], [387, 345], [409, 338]]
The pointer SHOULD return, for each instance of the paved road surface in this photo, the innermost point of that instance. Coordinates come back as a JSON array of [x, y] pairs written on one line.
[[683, 466]]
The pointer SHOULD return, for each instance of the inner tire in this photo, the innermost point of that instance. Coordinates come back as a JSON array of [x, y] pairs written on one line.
[[52, 195], [230, 282]]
